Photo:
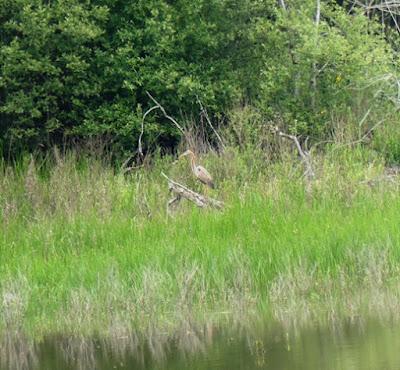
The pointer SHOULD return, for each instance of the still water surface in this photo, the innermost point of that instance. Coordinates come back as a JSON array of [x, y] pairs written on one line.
[[368, 346]]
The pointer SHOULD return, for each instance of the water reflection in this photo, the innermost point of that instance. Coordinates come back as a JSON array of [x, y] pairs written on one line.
[[371, 345]]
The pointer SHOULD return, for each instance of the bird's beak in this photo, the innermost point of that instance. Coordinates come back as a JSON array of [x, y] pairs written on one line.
[[180, 157]]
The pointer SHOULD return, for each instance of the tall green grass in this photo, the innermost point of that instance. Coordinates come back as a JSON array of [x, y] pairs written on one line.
[[85, 249]]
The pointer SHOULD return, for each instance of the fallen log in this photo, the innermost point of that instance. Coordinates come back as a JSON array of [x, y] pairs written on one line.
[[182, 191]]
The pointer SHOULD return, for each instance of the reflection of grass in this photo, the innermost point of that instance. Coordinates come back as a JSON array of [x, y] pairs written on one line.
[[86, 251]]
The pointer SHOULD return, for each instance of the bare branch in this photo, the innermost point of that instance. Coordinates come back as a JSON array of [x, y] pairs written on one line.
[[354, 142], [304, 154], [318, 13], [123, 167], [296, 141], [314, 65], [158, 105], [142, 129], [369, 132], [322, 68], [383, 5], [364, 117], [393, 17], [389, 7], [282, 4], [125, 170], [205, 114]]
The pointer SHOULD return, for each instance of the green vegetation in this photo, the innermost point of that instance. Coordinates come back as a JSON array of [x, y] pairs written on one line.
[[87, 250], [86, 243], [73, 70]]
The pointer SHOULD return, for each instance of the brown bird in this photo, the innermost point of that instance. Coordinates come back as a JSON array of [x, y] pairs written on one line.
[[199, 171]]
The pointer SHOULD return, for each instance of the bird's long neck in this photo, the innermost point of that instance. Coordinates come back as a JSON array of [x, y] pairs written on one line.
[[192, 162]]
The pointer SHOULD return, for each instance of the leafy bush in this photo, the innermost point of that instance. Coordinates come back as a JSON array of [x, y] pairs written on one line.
[[334, 66], [72, 70]]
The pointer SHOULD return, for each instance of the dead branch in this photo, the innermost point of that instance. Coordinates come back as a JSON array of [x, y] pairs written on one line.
[[354, 142], [314, 64], [205, 114], [363, 138], [318, 13], [125, 164], [388, 7], [282, 4], [309, 173], [154, 107], [384, 5], [142, 129], [182, 191], [159, 106]]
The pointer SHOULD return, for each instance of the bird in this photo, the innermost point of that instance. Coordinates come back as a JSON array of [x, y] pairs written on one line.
[[199, 171]]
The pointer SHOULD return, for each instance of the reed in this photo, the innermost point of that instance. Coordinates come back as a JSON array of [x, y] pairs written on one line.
[[86, 249]]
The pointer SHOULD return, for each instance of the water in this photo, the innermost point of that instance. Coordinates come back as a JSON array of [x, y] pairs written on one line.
[[368, 346]]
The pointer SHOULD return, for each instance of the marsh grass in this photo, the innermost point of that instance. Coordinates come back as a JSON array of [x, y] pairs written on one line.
[[87, 251]]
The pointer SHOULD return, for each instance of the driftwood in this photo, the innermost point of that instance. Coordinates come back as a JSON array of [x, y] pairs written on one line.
[[180, 191]]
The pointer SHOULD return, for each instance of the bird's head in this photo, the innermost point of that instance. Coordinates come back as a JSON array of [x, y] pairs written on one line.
[[188, 152]]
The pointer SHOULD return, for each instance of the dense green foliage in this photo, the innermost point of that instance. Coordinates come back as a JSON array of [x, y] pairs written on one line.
[[76, 70]]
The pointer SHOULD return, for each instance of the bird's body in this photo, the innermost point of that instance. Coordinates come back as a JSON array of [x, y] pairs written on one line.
[[199, 171], [204, 176]]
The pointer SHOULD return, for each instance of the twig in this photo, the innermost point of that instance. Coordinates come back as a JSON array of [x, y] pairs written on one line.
[[304, 154], [318, 13], [296, 141], [322, 68], [364, 117], [349, 143], [282, 4], [159, 106], [154, 107], [393, 17], [364, 136], [314, 64], [126, 163], [142, 129], [128, 169], [205, 114], [383, 5]]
